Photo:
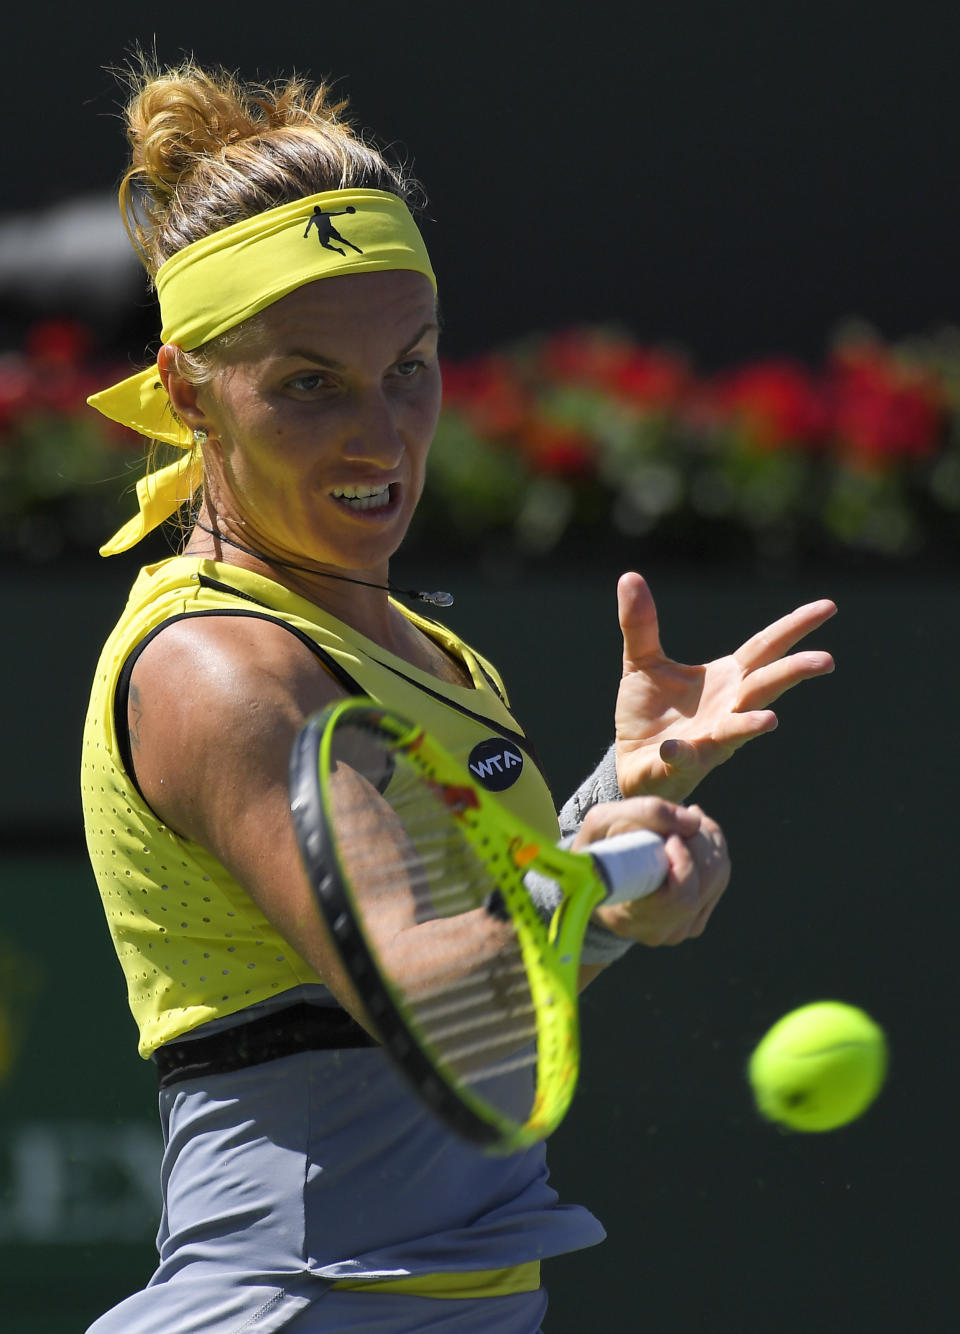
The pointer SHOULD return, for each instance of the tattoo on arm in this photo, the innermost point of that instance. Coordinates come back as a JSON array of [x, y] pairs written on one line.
[[134, 716]]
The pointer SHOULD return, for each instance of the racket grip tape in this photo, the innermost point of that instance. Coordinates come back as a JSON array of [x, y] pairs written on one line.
[[632, 865]]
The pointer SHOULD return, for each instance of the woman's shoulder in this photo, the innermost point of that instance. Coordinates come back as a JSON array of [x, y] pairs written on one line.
[[213, 708], [206, 662]]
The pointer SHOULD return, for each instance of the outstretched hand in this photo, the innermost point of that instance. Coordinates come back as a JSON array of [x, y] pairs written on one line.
[[674, 723]]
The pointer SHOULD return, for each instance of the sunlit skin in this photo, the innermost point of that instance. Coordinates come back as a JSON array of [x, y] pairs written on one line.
[[674, 722], [341, 385], [338, 387]]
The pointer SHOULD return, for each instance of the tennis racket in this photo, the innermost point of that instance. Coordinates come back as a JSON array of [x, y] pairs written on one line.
[[401, 847]]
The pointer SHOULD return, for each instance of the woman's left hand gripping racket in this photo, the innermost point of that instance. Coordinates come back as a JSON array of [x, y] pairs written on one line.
[[419, 873]]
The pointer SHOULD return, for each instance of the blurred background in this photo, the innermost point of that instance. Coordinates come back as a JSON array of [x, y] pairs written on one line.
[[699, 278]]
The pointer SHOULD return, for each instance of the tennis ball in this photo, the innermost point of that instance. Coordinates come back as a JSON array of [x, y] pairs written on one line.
[[818, 1067]]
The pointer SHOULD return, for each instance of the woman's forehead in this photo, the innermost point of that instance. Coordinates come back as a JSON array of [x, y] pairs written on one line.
[[386, 302]]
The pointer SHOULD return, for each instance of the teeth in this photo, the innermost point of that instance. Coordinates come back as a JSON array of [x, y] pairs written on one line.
[[358, 492], [363, 497]]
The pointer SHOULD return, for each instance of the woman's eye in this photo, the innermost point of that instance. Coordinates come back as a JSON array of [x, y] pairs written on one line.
[[406, 369], [306, 382]]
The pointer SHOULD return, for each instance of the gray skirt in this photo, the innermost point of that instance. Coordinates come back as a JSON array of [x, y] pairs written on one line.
[[284, 1177]]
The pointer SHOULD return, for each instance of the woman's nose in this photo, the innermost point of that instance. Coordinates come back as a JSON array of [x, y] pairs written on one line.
[[373, 436]]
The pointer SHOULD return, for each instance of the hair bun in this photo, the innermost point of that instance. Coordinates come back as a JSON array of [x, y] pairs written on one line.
[[181, 116], [208, 150]]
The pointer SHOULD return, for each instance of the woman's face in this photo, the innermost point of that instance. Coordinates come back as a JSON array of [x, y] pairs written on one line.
[[321, 421]]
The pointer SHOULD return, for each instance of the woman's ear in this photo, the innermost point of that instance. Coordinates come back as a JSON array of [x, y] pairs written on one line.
[[181, 393]]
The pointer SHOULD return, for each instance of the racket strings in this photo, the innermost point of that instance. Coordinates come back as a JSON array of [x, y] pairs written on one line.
[[460, 995], [440, 869], [439, 882], [454, 1012], [480, 1026]]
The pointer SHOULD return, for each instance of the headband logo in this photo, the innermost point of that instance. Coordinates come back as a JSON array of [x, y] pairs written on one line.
[[326, 232]]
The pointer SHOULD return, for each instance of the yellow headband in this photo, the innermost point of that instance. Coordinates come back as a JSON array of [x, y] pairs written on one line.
[[222, 279]]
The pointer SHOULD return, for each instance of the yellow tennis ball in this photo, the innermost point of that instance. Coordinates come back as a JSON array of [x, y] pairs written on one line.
[[819, 1067]]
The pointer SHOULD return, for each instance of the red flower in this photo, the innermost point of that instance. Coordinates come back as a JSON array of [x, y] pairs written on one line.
[[647, 377], [883, 409], [582, 355], [557, 450], [487, 392], [652, 379], [776, 402], [61, 343]]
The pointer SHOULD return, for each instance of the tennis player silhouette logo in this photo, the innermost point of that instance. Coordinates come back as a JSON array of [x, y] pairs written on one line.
[[326, 232]]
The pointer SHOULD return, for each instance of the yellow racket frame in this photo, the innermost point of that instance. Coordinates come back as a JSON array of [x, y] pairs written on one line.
[[550, 953]]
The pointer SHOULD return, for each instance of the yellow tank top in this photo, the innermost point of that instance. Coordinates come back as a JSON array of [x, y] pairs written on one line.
[[192, 944]]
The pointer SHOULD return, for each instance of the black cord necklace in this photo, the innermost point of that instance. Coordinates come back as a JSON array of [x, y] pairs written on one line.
[[439, 599]]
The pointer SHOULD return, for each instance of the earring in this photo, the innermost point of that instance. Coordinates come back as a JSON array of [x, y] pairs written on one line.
[[200, 436]]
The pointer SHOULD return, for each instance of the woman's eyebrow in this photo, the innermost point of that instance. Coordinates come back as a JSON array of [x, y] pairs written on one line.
[[430, 327], [305, 354], [330, 363]]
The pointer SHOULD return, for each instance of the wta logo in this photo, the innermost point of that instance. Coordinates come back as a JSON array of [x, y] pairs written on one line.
[[495, 764]]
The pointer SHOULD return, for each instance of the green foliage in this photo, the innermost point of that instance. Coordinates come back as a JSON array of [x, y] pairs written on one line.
[[581, 435]]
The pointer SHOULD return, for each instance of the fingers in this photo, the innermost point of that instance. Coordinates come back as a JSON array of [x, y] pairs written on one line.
[[699, 875], [709, 848], [751, 715], [766, 684], [735, 730], [775, 640], [679, 910], [679, 754], [638, 620], [702, 857], [623, 817]]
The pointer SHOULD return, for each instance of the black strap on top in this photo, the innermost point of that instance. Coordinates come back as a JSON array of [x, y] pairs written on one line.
[[343, 678], [122, 693], [299, 1027], [507, 733]]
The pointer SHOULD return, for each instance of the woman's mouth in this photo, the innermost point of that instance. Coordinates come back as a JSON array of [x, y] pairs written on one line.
[[359, 498]]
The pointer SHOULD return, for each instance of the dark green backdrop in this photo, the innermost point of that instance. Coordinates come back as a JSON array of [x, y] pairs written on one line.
[[842, 832], [733, 177], [736, 177]]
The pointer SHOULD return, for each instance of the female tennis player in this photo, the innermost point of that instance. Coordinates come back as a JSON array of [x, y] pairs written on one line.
[[305, 1188]]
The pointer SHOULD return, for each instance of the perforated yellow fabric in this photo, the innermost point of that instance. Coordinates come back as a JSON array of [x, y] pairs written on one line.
[[192, 944]]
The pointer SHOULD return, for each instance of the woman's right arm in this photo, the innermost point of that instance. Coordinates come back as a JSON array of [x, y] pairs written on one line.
[[215, 705]]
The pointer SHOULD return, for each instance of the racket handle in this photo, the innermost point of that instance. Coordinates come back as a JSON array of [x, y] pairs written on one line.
[[633, 865]]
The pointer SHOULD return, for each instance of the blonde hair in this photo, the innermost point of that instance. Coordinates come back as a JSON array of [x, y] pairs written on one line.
[[208, 150]]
